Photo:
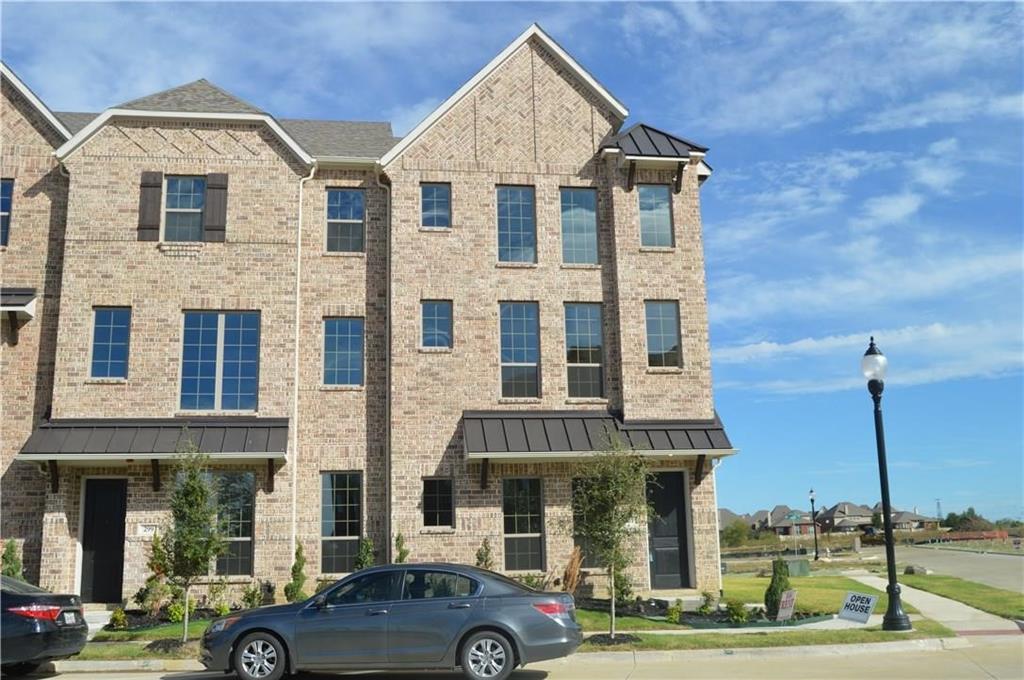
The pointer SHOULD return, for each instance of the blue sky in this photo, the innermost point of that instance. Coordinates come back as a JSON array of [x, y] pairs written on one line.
[[868, 172]]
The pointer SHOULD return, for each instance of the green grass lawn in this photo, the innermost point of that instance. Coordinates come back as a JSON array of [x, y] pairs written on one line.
[[598, 622], [1006, 603], [162, 632], [103, 651], [814, 593], [653, 642]]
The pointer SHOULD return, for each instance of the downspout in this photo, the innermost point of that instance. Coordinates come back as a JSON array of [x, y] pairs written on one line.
[[378, 173], [294, 460]]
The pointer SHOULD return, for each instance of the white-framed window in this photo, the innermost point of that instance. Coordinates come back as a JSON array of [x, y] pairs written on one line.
[[584, 349], [111, 336], [436, 205], [522, 505], [184, 198], [579, 225], [220, 361], [343, 350], [436, 324], [655, 215], [346, 221], [236, 498], [520, 349], [517, 224], [341, 508], [6, 197], [663, 339]]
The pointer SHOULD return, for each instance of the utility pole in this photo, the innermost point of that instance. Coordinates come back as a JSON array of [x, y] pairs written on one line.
[[938, 509]]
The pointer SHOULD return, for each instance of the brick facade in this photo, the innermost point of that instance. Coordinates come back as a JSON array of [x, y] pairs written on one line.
[[529, 122]]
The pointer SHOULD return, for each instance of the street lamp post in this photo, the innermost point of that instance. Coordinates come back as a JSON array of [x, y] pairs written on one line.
[[814, 525], [873, 366]]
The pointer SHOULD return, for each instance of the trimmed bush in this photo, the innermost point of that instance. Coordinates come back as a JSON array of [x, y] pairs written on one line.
[[737, 611], [365, 557], [484, 556], [707, 606], [401, 552], [674, 612], [252, 596], [778, 585], [118, 620], [293, 591]]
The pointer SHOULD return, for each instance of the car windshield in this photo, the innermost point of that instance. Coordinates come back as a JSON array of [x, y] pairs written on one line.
[[12, 585]]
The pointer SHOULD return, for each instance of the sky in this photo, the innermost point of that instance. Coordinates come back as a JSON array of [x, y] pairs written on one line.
[[868, 181]]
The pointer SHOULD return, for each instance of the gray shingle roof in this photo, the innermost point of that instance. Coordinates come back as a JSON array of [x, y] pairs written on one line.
[[644, 140], [357, 139], [74, 120], [200, 96]]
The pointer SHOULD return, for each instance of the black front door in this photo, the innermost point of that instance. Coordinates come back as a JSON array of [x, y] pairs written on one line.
[[667, 532], [103, 539]]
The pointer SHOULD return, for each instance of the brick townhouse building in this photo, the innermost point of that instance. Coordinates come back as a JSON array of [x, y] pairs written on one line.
[[367, 335]]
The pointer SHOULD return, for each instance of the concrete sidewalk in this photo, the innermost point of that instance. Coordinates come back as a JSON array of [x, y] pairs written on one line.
[[961, 618]]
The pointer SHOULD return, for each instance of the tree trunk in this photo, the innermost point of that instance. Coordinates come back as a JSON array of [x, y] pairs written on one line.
[[184, 632], [611, 588]]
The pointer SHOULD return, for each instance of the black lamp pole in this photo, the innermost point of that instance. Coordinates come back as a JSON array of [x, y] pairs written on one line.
[[814, 525], [873, 366]]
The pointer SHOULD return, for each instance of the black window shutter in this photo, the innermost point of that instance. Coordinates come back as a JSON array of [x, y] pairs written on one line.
[[215, 210], [150, 195]]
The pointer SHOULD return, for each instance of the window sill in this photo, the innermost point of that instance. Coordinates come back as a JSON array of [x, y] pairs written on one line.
[[436, 230], [519, 400], [587, 400], [584, 266], [229, 580], [343, 388], [434, 350], [332, 253], [664, 370], [106, 381], [657, 249], [437, 531], [515, 265]]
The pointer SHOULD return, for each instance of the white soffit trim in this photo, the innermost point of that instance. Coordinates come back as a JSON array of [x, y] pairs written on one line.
[[28, 94], [25, 311], [533, 31], [703, 169], [99, 121]]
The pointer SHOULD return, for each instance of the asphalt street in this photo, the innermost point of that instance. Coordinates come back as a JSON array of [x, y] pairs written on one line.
[[1000, 571]]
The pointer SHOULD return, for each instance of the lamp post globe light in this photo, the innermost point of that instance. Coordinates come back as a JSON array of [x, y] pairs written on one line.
[[873, 366], [814, 524]]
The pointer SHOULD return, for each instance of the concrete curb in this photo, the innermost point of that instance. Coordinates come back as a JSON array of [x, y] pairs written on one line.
[[931, 644]]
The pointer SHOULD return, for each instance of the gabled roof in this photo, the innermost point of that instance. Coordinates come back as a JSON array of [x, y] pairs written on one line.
[[534, 31], [644, 141], [75, 120], [35, 101], [727, 517], [341, 138], [200, 96]]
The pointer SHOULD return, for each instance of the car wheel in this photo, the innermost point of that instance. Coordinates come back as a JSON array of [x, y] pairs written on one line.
[[260, 656], [487, 656], [19, 669]]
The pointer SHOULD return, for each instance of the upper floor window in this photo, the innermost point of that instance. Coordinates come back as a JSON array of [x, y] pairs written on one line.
[[517, 225], [663, 333], [437, 323], [183, 208], [655, 215], [346, 213], [341, 506], [520, 350], [584, 349], [579, 226], [6, 194], [436, 206], [110, 335], [220, 361], [343, 351]]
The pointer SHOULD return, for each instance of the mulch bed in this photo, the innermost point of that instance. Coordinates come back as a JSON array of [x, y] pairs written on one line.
[[140, 619], [605, 640]]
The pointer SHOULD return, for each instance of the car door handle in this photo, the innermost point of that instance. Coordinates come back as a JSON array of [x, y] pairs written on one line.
[[376, 612], [459, 605]]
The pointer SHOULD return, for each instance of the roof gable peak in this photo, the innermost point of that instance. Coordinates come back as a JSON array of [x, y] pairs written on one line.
[[198, 96], [30, 96]]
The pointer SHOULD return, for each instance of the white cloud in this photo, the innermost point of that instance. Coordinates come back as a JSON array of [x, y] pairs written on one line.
[[944, 107], [938, 175], [942, 147], [880, 211]]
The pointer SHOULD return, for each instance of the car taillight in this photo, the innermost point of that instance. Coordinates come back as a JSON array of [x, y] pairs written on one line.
[[46, 612], [553, 609]]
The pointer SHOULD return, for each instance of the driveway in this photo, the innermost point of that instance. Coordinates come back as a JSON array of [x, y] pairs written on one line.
[[1000, 571]]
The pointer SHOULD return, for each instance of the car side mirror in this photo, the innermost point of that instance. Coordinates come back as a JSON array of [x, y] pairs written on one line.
[[320, 601]]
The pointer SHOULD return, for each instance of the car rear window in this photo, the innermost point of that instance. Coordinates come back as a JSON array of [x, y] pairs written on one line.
[[12, 585], [509, 582]]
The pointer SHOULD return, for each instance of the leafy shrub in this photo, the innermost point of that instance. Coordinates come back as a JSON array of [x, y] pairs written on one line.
[[364, 557], [252, 596], [535, 581], [401, 552], [674, 612], [778, 585], [118, 620], [152, 597], [324, 584], [737, 611], [10, 563], [222, 608], [708, 604], [293, 590], [484, 556], [176, 610], [623, 584]]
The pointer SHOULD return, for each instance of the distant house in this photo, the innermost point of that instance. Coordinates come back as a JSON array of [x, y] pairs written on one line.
[[727, 517], [844, 517], [911, 521], [794, 523]]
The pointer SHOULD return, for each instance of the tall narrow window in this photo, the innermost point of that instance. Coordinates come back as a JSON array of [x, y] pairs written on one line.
[[655, 215], [584, 348], [437, 323], [520, 350], [6, 196], [589, 560], [220, 361], [436, 206], [517, 225], [579, 226], [110, 339], [438, 503], [183, 209], [236, 493], [663, 333], [343, 351], [340, 520], [524, 526], [345, 221]]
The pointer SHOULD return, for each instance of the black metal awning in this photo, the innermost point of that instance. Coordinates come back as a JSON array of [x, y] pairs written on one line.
[[524, 436]]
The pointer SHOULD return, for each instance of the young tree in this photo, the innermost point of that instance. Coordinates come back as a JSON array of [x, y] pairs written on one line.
[[10, 560], [736, 534], [876, 520], [609, 501], [194, 538], [401, 552]]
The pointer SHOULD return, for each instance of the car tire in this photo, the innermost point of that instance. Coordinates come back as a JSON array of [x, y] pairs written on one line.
[[487, 655], [16, 670], [259, 656]]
